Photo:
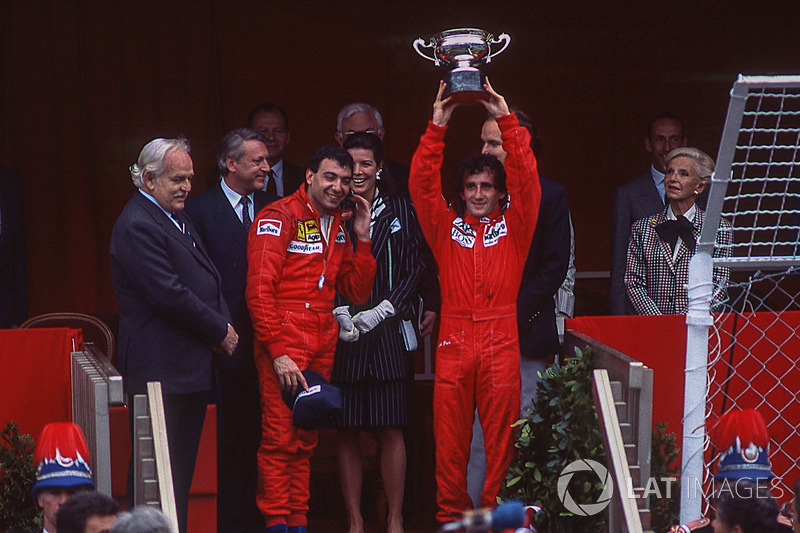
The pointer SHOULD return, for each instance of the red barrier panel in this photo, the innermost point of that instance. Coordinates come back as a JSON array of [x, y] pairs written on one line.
[[35, 379]]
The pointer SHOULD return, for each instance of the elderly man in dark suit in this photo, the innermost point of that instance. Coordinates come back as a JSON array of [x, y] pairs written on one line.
[[272, 122], [639, 198], [222, 217], [13, 269], [172, 312]]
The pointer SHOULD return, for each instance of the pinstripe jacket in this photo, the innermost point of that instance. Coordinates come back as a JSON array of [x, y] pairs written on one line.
[[381, 352], [656, 284]]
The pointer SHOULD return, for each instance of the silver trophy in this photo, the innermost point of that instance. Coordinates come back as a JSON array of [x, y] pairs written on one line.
[[464, 48]]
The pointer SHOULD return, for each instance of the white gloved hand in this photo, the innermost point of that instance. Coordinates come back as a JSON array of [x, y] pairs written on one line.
[[347, 330], [367, 320]]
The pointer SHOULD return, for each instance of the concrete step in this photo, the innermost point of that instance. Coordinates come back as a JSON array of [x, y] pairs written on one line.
[[627, 432], [616, 390]]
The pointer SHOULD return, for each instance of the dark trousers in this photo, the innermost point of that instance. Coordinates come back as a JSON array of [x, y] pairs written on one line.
[[184, 415], [238, 439]]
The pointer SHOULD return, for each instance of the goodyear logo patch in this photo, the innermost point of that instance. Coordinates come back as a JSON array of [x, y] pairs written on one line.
[[462, 233], [307, 248], [269, 226], [308, 231], [494, 232]]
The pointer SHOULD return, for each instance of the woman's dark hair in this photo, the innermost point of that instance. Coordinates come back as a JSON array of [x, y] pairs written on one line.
[[367, 141]]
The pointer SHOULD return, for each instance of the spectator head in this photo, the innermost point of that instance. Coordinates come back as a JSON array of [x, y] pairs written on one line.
[[243, 160], [165, 171], [328, 177], [358, 117], [272, 122], [87, 512], [142, 519], [482, 180], [62, 468], [492, 143], [664, 133]]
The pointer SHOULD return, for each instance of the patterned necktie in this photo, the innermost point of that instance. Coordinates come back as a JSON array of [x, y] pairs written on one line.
[[272, 187], [246, 220], [182, 227]]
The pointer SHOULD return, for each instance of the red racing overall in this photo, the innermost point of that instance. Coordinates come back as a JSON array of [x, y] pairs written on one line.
[[292, 275], [477, 357]]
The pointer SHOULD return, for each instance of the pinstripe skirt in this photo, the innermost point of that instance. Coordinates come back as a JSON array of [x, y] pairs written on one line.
[[371, 402]]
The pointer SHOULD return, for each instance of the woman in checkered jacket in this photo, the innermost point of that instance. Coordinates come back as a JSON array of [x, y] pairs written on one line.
[[662, 245]]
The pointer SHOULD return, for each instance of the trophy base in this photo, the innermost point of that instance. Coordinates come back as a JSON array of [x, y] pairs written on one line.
[[465, 85]]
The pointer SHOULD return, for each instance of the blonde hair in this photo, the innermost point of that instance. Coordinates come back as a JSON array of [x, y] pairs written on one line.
[[703, 164]]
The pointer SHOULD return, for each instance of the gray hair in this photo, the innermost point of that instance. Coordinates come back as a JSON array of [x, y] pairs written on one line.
[[359, 107], [232, 145], [142, 519], [703, 164], [151, 158]]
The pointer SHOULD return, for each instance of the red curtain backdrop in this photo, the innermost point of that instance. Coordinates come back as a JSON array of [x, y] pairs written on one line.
[[85, 84]]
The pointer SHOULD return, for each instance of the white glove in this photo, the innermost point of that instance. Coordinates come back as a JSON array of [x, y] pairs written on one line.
[[367, 320], [347, 331]]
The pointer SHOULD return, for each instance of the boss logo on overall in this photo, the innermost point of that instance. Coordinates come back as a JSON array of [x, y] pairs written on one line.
[[462, 233]]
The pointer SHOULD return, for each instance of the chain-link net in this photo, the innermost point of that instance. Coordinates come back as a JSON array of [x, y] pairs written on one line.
[[754, 346]]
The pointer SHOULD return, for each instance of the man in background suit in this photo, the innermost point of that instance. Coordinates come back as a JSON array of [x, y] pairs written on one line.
[[13, 269], [272, 122], [222, 217], [639, 198], [171, 308]]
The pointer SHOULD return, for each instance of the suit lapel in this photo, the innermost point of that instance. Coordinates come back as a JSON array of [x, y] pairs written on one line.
[[663, 246], [171, 229], [381, 228]]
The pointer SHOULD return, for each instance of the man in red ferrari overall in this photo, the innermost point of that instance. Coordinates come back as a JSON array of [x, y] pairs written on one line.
[[298, 254], [481, 255]]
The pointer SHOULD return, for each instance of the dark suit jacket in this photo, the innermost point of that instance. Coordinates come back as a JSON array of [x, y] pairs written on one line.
[[381, 353], [544, 272], [225, 239], [170, 301], [294, 177], [635, 199], [13, 269]]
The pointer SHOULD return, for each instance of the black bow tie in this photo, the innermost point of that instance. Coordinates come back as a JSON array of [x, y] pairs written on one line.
[[670, 230]]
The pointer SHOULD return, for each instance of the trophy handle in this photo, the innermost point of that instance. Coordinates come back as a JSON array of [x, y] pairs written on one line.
[[420, 43], [502, 37]]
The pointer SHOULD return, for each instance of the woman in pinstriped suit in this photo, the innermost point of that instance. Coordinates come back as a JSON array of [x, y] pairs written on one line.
[[372, 365]]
